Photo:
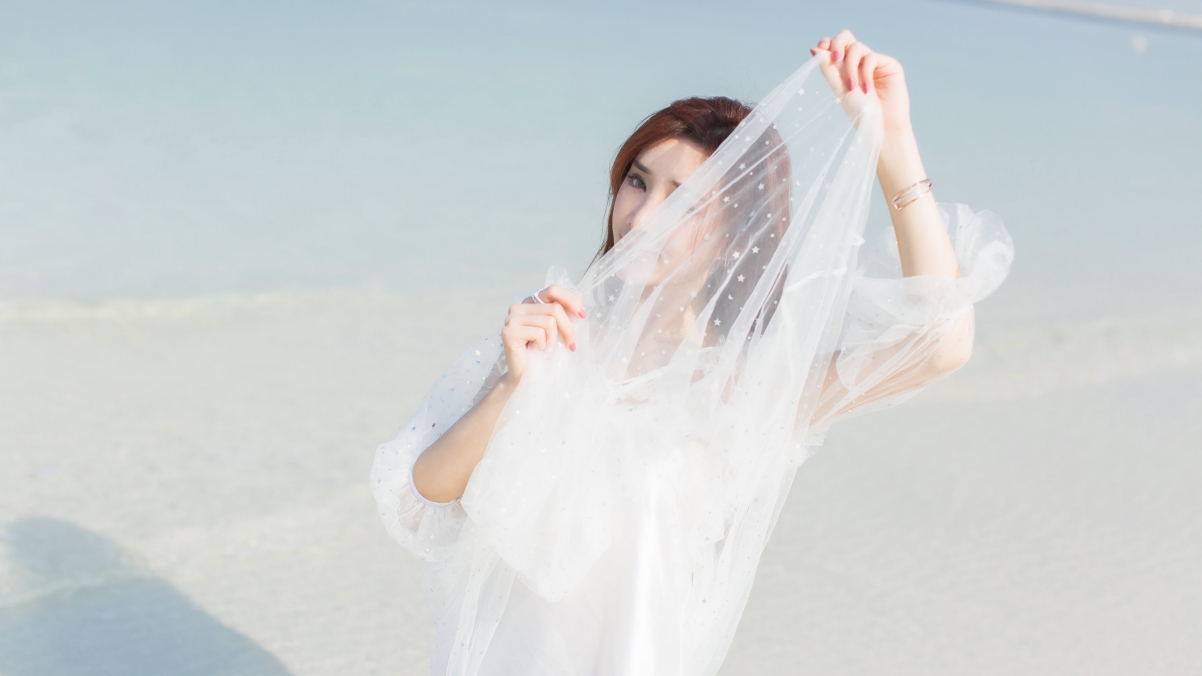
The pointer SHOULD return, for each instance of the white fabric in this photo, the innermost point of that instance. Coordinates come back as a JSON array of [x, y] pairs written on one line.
[[615, 523]]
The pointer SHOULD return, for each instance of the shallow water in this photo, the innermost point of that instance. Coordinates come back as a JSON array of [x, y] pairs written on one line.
[[238, 243], [167, 150]]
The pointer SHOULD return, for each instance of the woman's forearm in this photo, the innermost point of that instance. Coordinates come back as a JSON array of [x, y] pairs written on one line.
[[442, 471], [922, 239]]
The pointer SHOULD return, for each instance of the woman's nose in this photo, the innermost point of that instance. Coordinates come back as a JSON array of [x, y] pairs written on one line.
[[636, 216]]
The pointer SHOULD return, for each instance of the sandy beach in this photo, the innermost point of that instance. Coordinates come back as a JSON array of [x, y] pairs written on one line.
[[188, 497]]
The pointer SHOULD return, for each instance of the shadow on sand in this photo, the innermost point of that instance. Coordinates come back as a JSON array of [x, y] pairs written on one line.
[[75, 604]]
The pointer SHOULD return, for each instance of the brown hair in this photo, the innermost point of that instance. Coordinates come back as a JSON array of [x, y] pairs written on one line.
[[705, 122]]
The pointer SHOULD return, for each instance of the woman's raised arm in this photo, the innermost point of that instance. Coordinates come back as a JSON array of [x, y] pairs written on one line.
[[924, 247], [922, 239]]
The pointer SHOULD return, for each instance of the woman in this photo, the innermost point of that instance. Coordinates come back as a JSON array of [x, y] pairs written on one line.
[[593, 487]]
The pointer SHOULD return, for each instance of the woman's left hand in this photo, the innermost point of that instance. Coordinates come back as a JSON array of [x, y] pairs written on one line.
[[850, 65]]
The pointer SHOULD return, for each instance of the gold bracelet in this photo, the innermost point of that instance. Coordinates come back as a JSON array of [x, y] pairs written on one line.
[[904, 198]]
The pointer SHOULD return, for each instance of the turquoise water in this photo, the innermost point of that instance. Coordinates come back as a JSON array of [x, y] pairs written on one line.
[[173, 149]]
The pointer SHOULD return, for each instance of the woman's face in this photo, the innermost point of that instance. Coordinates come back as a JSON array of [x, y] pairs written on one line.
[[655, 174]]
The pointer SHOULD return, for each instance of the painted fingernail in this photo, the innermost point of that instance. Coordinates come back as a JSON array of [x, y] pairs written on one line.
[[581, 313], [835, 56], [850, 85], [813, 52], [864, 86], [572, 347]]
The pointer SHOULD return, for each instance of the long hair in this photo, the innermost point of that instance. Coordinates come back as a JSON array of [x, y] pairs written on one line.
[[705, 122]]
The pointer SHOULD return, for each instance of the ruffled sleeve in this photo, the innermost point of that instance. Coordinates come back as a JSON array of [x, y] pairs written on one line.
[[426, 528], [904, 333]]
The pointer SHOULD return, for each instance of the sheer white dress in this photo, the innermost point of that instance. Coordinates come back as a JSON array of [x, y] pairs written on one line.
[[616, 521]]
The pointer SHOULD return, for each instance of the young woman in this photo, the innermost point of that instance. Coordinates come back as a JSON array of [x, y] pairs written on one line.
[[593, 487]]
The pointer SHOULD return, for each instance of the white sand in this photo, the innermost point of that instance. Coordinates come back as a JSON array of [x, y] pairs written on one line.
[[184, 492]]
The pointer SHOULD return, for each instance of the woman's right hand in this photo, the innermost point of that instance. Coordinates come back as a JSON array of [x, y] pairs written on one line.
[[531, 324]]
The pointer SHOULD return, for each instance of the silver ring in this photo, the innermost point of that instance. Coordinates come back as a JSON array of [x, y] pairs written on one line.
[[538, 300]]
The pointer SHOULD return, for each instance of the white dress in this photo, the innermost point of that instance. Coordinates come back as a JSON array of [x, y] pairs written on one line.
[[616, 521]]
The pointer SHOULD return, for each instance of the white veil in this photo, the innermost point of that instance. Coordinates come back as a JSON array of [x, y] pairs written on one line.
[[711, 327], [702, 373]]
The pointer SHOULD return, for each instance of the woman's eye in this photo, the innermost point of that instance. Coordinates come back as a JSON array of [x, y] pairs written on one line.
[[636, 182]]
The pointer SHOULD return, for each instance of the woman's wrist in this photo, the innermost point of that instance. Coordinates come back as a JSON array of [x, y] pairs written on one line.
[[900, 164], [499, 394]]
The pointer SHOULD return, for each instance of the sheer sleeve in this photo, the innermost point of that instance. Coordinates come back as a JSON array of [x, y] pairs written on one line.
[[904, 333], [426, 528]]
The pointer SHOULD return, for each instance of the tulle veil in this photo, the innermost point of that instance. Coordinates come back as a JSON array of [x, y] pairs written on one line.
[[710, 328], [699, 377]]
